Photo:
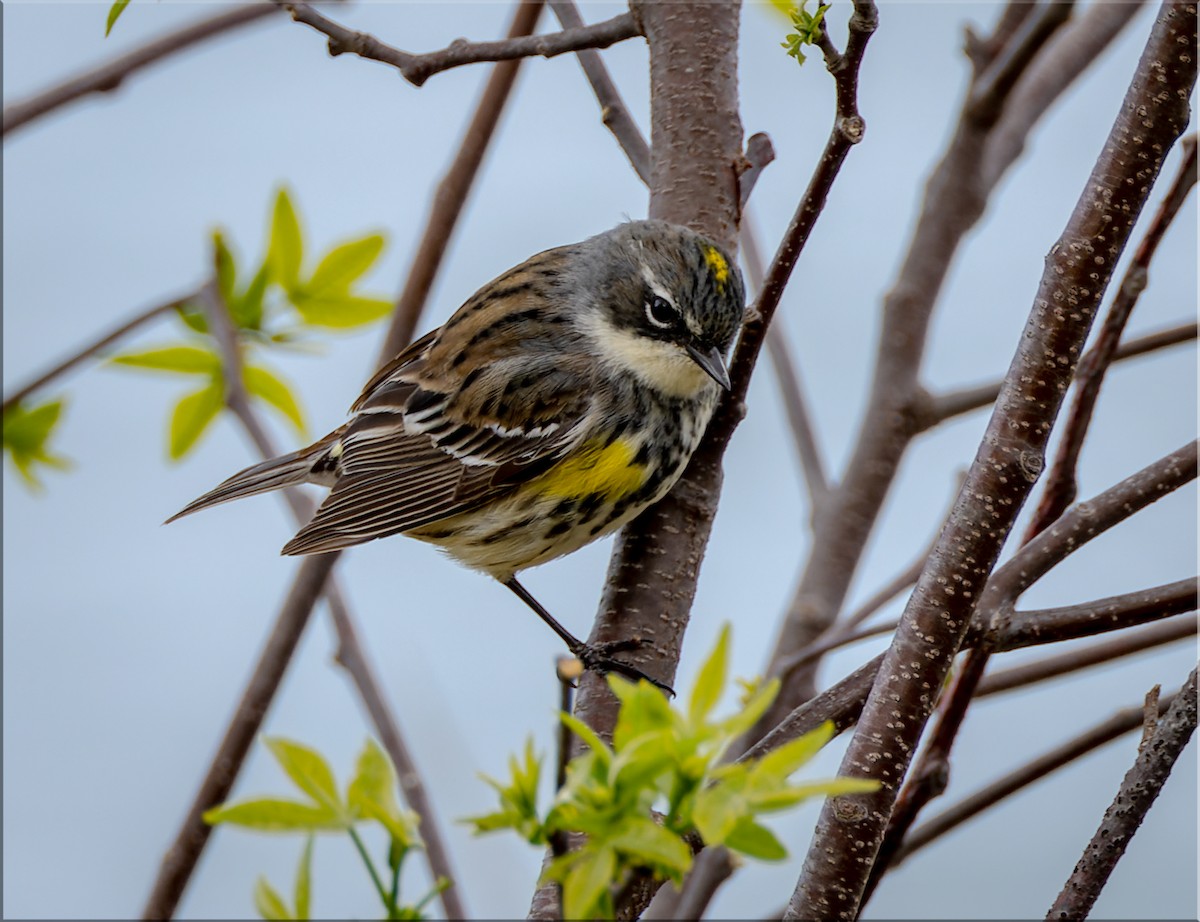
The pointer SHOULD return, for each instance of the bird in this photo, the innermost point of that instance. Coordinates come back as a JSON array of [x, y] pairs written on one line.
[[557, 403]]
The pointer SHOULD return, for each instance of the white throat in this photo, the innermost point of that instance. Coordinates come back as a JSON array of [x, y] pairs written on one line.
[[664, 366]]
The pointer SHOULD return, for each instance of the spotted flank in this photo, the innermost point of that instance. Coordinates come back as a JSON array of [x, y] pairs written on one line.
[[718, 265]]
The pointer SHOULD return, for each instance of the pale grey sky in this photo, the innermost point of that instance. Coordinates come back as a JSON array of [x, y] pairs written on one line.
[[126, 644]]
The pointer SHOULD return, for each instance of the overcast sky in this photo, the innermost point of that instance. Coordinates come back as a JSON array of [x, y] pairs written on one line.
[[126, 645]]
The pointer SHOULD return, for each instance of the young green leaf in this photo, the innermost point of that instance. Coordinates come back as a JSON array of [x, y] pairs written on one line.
[[182, 360], [247, 309], [710, 683], [781, 762], [26, 433], [114, 13], [193, 317], [650, 844], [192, 416], [755, 840], [263, 383], [285, 252], [717, 810], [303, 893], [272, 814], [343, 265], [268, 903], [308, 770], [373, 791], [225, 267], [589, 877], [588, 736], [340, 311], [644, 709], [808, 28]]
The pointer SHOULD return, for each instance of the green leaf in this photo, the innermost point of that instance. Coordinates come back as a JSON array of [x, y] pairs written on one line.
[[717, 811], [781, 762], [343, 265], [183, 360], [26, 433], [303, 893], [652, 845], [338, 312], [265, 384], [247, 310], [588, 736], [193, 317], [644, 709], [308, 770], [755, 841], [114, 13], [808, 28], [710, 683], [272, 814], [591, 873], [225, 268], [373, 791], [268, 903], [285, 251], [753, 709], [192, 416]]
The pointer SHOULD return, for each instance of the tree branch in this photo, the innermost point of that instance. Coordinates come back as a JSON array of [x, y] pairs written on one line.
[[451, 193], [938, 409], [1137, 794], [417, 68], [1062, 484], [350, 654], [108, 77], [1052, 667], [613, 111], [1009, 460], [94, 347]]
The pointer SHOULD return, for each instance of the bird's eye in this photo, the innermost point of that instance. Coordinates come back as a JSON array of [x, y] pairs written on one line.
[[660, 312]]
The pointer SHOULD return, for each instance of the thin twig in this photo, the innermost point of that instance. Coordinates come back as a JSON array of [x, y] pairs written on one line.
[[1053, 667], [938, 409], [795, 403], [349, 654], [107, 77], [180, 859], [94, 347], [613, 111], [1120, 723], [1138, 791], [451, 193], [417, 68]]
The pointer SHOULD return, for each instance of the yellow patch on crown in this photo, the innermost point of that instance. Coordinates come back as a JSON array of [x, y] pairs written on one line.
[[607, 470], [717, 263]]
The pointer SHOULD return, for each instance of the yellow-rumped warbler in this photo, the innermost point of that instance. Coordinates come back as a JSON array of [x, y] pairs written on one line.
[[558, 402]]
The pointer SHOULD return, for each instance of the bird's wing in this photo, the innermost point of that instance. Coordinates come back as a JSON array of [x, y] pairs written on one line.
[[430, 441]]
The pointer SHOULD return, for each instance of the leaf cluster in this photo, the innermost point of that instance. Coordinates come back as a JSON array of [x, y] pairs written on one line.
[[275, 305], [370, 797], [664, 759], [807, 27]]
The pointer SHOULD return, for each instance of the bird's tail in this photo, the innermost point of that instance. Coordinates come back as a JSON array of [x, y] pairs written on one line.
[[284, 471]]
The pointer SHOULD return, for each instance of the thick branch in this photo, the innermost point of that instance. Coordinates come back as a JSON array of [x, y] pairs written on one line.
[[1137, 794], [107, 77], [417, 68], [1009, 460], [451, 193], [1062, 485]]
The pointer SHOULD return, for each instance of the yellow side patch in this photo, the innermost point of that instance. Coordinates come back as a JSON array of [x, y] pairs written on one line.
[[609, 471], [718, 265]]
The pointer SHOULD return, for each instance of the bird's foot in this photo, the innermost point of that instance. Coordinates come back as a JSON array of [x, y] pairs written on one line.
[[598, 657]]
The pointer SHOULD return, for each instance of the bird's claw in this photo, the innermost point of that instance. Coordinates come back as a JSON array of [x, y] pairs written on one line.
[[598, 657]]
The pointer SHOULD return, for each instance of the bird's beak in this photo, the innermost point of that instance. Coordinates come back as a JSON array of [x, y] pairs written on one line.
[[712, 362]]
